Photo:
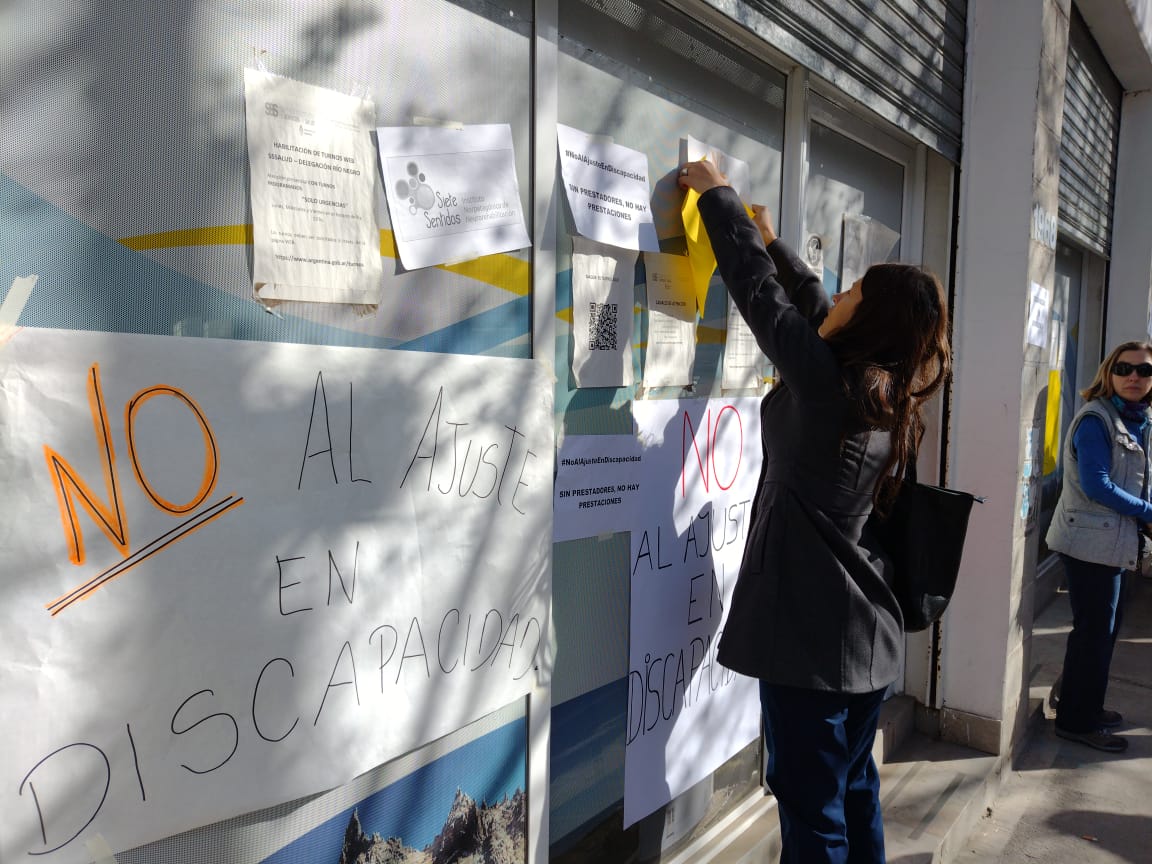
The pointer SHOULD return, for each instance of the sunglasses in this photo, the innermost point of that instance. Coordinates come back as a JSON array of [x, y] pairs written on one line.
[[1144, 370]]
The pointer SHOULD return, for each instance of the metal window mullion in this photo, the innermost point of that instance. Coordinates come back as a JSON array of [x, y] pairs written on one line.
[[545, 102], [913, 207], [794, 166]]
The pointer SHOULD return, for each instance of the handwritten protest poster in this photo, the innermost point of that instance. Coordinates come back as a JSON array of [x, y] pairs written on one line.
[[452, 193], [314, 236], [237, 573], [608, 191], [687, 714]]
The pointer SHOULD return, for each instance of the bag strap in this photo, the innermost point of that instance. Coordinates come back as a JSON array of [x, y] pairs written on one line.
[[910, 474], [910, 466]]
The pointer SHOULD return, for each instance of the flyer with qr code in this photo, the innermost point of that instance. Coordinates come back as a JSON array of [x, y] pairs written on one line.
[[602, 301]]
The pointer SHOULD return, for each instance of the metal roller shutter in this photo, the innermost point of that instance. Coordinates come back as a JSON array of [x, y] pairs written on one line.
[[1091, 126], [902, 58]]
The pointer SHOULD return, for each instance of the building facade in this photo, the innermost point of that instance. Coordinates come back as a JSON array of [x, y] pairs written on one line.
[[1002, 144]]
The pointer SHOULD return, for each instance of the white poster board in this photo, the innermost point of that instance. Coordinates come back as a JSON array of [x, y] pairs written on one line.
[[314, 236], [452, 193], [687, 714], [295, 563], [608, 191]]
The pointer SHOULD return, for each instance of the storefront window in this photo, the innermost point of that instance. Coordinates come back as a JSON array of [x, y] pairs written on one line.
[[848, 179], [645, 77], [1063, 363]]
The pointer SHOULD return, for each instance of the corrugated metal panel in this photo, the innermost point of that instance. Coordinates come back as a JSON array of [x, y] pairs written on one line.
[[902, 58], [671, 26], [1088, 139]]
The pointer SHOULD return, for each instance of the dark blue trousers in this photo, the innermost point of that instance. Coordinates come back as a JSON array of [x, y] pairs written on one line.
[[821, 771], [1094, 594]]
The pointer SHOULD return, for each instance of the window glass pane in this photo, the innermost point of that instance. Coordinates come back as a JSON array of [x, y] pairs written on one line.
[[129, 181], [845, 178], [1063, 338], [644, 76]]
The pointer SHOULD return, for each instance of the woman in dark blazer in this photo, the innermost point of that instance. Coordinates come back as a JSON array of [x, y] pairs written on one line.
[[813, 616]]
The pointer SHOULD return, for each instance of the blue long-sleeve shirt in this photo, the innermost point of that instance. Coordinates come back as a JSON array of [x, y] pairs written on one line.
[[1093, 444]]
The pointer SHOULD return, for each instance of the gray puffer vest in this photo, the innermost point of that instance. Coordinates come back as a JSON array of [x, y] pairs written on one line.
[[1085, 529]]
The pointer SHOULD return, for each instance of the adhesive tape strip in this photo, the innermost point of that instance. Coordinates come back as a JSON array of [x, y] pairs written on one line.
[[99, 849], [13, 305]]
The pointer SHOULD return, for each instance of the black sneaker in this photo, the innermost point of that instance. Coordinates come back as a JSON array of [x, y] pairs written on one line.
[[1110, 719], [1099, 740]]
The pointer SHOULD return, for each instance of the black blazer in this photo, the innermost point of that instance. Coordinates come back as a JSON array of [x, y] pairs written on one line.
[[812, 605]]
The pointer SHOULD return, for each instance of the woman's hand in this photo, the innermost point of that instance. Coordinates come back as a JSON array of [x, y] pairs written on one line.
[[701, 176], [762, 219]]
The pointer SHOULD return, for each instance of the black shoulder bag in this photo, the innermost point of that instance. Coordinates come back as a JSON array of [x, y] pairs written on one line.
[[924, 534]]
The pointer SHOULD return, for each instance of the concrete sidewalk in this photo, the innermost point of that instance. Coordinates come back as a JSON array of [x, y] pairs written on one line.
[[1065, 802], [1053, 801]]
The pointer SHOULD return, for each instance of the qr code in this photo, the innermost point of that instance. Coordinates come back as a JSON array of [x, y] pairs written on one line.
[[602, 326]]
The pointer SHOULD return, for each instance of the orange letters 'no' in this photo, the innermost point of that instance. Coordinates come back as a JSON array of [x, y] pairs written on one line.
[[71, 489], [208, 483]]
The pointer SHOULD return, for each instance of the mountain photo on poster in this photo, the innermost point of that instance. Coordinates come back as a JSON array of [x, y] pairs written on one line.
[[473, 833]]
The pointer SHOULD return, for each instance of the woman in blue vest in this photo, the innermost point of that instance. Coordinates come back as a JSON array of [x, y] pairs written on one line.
[[813, 615], [1096, 528]]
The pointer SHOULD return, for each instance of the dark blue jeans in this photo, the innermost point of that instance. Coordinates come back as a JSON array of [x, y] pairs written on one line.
[[821, 771], [1094, 593]]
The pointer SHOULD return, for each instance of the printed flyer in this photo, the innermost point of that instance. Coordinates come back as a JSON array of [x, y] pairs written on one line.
[[311, 173], [607, 187], [452, 192]]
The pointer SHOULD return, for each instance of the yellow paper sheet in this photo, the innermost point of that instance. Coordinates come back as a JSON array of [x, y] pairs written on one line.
[[1052, 423], [700, 254]]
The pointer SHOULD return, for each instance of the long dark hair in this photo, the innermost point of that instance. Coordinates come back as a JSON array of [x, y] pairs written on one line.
[[894, 353]]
